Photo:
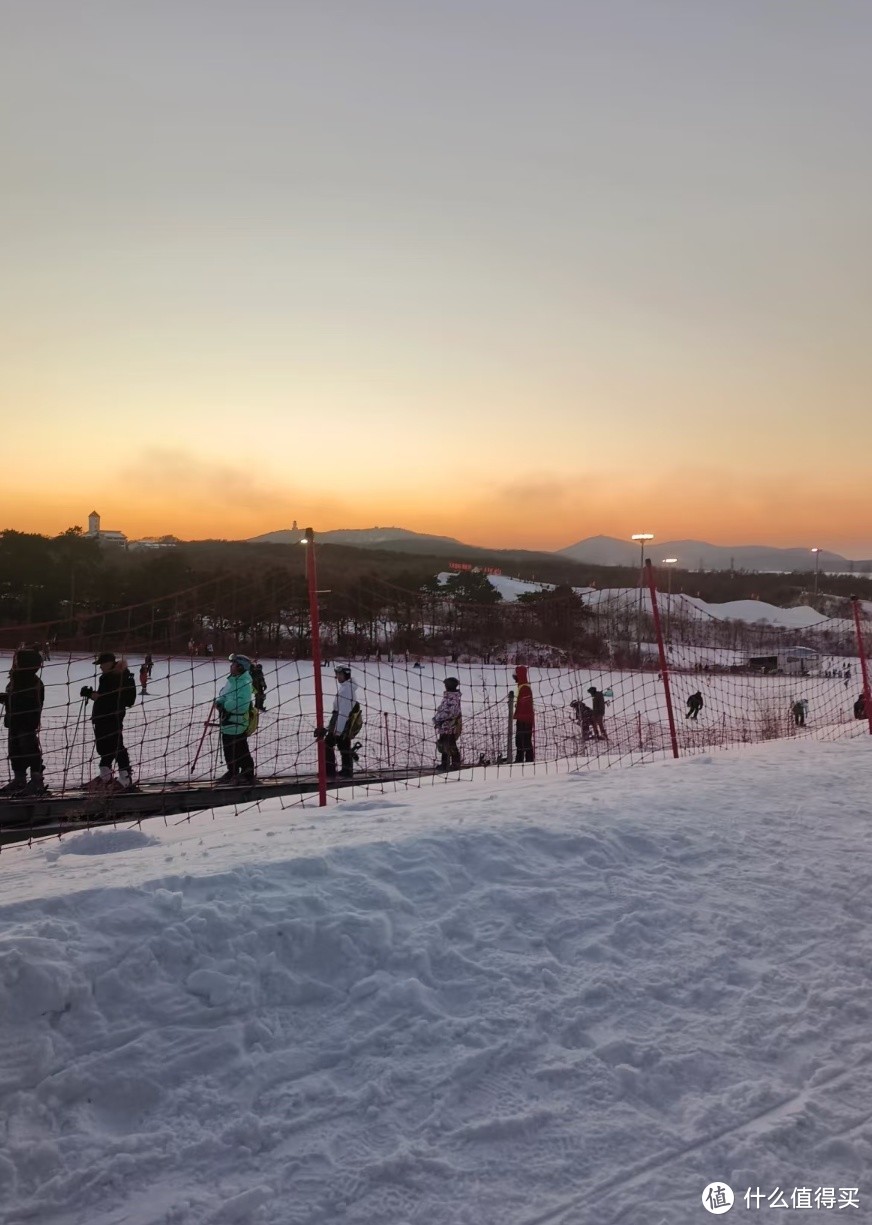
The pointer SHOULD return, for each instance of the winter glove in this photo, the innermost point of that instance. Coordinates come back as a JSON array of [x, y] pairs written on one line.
[[86, 692], [320, 733]]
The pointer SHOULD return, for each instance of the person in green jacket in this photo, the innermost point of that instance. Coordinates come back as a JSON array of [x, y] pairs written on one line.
[[233, 704]]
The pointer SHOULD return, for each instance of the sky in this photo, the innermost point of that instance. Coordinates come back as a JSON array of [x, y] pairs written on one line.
[[563, 1000], [516, 273]]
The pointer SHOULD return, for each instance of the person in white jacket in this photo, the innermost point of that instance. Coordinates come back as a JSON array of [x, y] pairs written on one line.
[[345, 723]]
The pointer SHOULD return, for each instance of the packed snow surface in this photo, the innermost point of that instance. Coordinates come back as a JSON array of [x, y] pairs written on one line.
[[752, 611], [565, 999]]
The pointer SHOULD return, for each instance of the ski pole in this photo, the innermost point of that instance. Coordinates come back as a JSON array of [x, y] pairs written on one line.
[[210, 722], [72, 742]]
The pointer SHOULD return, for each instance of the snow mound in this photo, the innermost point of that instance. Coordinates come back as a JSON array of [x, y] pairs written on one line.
[[105, 842]]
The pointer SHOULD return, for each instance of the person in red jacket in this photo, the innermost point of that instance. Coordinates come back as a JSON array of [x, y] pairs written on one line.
[[523, 716]]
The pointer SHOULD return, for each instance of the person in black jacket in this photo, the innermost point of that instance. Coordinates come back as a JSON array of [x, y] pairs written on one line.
[[598, 712], [116, 691], [258, 684], [23, 702]]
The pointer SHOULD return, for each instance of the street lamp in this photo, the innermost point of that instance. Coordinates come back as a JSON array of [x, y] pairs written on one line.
[[643, 538], [670, 562], [314, 620], [817, 563]]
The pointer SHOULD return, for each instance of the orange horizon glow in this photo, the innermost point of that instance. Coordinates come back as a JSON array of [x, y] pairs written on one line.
[[483, 526]]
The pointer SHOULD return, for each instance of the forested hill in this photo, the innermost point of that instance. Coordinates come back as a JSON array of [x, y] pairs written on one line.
[[46, 578]]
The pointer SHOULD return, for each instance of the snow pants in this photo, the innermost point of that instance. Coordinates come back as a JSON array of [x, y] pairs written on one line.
[[25, 752], [523, 741], [109, 742], [237, 754], [449, 753]]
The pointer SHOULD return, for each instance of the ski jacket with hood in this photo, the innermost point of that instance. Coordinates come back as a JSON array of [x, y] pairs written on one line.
[[524, 699], [23, 700], [233, 702], [113, 693], [447, 719], [343, 704]]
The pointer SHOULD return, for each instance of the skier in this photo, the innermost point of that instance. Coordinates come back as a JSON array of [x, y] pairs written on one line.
[[258, 681], [346, 721], [524, 716], [115, 692], [797, 709], [584, 716], [143, 679], [598, 711], [149, 664], [448, 722], [860, 707], [694, 706], [233, 703], [23, 702]]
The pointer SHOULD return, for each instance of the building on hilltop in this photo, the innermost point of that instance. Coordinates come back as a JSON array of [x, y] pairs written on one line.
[[95, 532]]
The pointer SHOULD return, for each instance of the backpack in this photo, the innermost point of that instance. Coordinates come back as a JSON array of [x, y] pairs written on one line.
[[128, 689], [355, 721]]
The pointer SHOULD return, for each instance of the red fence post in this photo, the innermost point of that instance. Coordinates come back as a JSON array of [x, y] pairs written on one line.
[[315, 621], [661, 650], [867, 699]]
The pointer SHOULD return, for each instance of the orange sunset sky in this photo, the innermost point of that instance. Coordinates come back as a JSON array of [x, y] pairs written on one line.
[[516, 273]]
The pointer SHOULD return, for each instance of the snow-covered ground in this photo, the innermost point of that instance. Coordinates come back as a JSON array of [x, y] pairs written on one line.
[[576, 999], [749, 611], [164, 731]]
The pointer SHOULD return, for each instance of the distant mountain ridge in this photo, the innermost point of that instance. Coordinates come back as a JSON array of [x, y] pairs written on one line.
[[699, 555], [594, 550], [363, 538]]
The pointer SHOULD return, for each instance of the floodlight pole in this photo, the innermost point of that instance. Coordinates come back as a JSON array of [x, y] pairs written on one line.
[[643, 538], [315, 622], [664, 665], [817, 564], [669, 562]]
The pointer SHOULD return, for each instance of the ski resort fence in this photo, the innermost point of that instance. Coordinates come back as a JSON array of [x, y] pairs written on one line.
[[671, 678]]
